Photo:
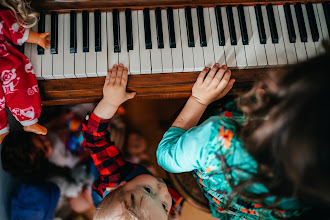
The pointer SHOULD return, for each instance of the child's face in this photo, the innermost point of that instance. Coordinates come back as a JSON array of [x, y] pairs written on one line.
[[151, 193]]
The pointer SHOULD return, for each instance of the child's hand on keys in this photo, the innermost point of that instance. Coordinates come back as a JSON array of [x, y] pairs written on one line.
[[214, 86], [42, 41]]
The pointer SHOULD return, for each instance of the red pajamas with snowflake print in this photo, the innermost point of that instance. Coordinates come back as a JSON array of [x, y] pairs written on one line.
[[19, 91]]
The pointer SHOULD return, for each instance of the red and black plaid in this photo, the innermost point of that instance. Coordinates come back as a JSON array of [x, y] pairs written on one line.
[[107, 158]]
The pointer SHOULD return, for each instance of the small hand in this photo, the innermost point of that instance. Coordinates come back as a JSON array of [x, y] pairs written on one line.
[[214, 86], [42, 41]]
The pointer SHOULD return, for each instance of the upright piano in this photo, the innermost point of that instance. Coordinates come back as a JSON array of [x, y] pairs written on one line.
[[166, 43]]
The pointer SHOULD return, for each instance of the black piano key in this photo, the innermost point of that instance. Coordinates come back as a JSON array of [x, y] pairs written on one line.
[[312, 22], [190, 30], [272, 23], [20, 48], [326, 9], [260, 23], [147, 31], [159, 27], [129, 30], [85, 19], [242, 24], [301, 22], [221, 34], [116, 31], [54, 33], [289, 23], [98, 35], [201, 26], [41, 29], [73, 32], [231, 25], [171, 30]]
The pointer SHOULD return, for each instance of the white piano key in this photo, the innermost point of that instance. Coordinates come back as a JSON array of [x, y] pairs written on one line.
[[155, 53], [290, 48], [269, 46], [177, 51], [322, 26], [35, 58], [259, 48], [197, 50], [239, 48], [27, 50], [323, 21], [144, 53], [166, 51], [229, 49], [80, 56], [219, 52], [91, 55], [68, 60], [250, 51], [58, 58], [123, 55], [309, 45], [112, 56], [47, 58], [300, 46], [101, 56], [279, 47], [134, 55], [209, 58]]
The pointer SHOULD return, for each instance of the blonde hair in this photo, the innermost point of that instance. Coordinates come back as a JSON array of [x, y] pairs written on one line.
[[24, 14], [104, 210]]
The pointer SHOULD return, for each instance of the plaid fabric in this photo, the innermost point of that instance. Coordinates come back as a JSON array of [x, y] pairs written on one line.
[[107, 158]]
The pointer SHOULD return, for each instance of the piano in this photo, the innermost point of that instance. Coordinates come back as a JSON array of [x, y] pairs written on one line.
[[165, 44]]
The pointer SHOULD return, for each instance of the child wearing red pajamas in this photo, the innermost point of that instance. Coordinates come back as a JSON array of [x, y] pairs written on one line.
[[19, 91]]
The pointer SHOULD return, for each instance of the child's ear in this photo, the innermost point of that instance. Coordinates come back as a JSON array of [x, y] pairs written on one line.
[[115, 187]]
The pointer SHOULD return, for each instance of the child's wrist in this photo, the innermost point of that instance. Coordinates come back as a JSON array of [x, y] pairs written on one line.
[[198, 101]]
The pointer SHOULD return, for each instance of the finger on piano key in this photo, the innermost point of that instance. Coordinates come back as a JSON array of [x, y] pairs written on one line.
[[201, 27], [260, 23], [27, 50], [189, 27], [112, 55], [229, 49], [147, 30], [323, 22], [309, 45], [73, 31], [197, 50], [35, 57], [208, 50], [219, 51], [269, 46], [98, 36], [58, 58], [279, 46], [187, 53], [41, 29], [91, 55], [242, 24], [319, 45], [129, 34], [300, 46], [231, 25], [218, 17], [290, 49], [54, 33], [155, 53], [159, 27], [289, 22], [70, 44], [239, 48], [47, 59], [326, 10], [272, 23], [177, 51], [101, 56], [85, 23], [116, 31], [144, 52], [123, 55], [134, 54], [301, 22], [250, 51], [312, 22], [171, 28], [166, 51], [80, 56]]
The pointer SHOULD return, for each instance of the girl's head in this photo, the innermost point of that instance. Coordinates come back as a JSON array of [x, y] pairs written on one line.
[[25, 16], [292, 146]]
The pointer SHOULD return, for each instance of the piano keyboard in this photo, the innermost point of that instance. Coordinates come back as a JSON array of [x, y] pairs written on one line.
[[86, 44]]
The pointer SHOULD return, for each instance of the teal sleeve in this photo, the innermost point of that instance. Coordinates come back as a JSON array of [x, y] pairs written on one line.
[[184, 151]]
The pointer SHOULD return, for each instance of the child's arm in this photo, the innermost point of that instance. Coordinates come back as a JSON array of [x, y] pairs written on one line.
[[40, 39]]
